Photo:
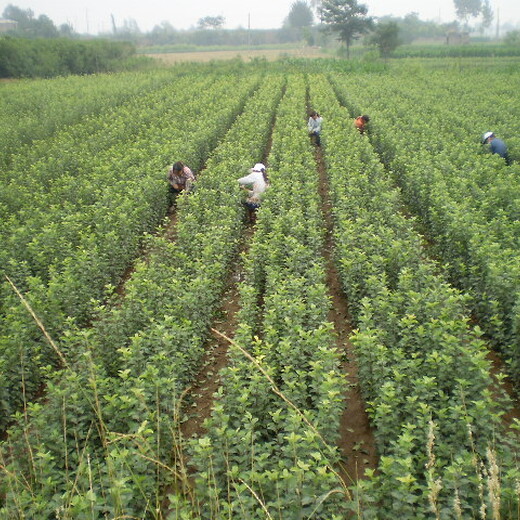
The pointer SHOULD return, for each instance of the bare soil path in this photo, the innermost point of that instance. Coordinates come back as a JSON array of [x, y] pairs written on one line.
[[357, 443], [171, 58], [197, 401], [505, 387], [200, 397], [201, 394]]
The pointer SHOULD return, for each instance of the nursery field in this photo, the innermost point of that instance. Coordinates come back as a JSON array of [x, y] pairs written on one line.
[[354, 353]]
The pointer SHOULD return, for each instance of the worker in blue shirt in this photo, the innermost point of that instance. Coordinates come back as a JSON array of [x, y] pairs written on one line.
[[496, 145]]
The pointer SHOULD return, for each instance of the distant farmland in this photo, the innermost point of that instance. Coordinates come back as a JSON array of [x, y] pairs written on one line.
[[205, 56]]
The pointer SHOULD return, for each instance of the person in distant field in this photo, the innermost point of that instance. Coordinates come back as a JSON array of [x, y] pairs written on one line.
[[360, 123], [255, 183], [314, 127], [496, 145], [180, 178]]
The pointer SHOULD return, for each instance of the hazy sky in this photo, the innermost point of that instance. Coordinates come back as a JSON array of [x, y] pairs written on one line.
[[94, 15]]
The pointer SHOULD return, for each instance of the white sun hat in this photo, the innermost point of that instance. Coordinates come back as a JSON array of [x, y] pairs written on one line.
[[486, 136], [258, 167]]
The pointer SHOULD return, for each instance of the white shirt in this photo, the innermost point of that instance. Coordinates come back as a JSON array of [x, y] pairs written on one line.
[[258, 182], [314, 125]]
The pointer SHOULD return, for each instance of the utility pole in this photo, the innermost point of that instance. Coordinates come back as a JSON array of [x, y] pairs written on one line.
[[498, 24], [249, 28]]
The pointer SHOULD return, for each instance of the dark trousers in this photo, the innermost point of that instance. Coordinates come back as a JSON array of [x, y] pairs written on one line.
[[173, 195], [251, 211], [315, 137]]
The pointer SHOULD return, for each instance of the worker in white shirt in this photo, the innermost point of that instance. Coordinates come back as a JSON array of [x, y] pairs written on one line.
[[314, 127], [255, 183]]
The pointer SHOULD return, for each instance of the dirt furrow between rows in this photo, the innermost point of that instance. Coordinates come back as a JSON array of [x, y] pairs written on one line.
[[198, 400], [357, 443], [503, 385]]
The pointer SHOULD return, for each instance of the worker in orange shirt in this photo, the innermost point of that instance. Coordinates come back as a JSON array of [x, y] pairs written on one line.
[[360, 123]]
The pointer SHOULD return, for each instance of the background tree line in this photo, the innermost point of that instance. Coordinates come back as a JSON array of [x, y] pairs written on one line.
[[36, 47], [306, 20], [28, 26], [27, 58]]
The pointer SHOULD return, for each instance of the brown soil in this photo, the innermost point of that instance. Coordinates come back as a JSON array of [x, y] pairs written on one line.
[[504, 387], [269, 54], [199, 398], [357, 443]]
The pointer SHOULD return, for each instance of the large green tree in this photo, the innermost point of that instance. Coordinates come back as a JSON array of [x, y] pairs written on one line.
[[316, 4], [347, 18], [386, 38], [512, 38], [211, 22], [300, 15], [487, 14], [28, 25], [412, 28], [467, 9]]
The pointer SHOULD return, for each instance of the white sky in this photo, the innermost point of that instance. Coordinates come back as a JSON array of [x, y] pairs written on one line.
[[95, 15]]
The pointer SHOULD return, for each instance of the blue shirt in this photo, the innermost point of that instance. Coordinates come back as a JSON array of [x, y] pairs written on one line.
[[499, 147]]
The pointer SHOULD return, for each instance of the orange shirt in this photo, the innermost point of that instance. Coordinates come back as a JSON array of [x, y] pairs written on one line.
[[359, 123]]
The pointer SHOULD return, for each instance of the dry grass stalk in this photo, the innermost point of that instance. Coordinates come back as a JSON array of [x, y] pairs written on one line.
[[493, 484], [434, 485], [457, 509]]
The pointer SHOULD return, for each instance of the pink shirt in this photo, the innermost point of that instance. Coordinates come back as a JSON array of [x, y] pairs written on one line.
[[180, 178]]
